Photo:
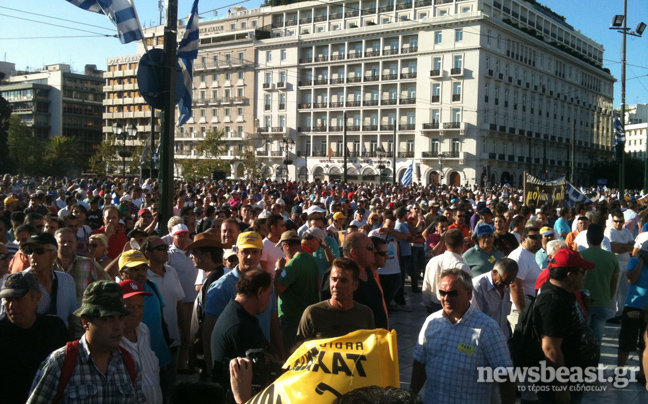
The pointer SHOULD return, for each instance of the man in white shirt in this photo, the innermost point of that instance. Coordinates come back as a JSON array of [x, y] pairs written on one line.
[[622, 242], [523, 289], [271, 253], [491, 294], [451, 258]]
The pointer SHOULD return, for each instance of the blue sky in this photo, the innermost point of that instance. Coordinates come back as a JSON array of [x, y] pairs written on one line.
[[592, 17]]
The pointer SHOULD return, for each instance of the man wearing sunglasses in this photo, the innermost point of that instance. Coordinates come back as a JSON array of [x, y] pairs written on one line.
[[57, 288], [453, 343], [523, 289]]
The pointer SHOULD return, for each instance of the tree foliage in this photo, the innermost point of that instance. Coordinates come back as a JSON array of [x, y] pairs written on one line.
[[25, 150], [63, 156], [252, 165], [211, 148], [609, 169], [5, 114], [105, 157]]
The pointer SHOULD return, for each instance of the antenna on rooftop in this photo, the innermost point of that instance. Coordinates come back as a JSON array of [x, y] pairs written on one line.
[[161, 7]]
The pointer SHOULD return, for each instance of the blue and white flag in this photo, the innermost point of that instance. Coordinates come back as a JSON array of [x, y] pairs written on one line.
[[619, 131], [406, 179], [121, 12], [143, 158], [187, 53], [574, 196]]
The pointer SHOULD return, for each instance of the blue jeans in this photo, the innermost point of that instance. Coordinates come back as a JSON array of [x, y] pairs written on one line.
[[596, 317]]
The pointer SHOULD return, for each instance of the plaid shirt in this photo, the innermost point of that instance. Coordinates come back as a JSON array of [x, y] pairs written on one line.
[[84, 271], [87, 385], [453, 352]]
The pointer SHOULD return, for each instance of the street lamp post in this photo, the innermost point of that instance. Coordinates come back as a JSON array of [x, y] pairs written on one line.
[[380, 151], [442, 156], [288, 143], [131, 131], [619, 24]]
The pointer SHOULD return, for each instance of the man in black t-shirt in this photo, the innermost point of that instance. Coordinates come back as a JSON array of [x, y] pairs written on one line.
[[567, 341], [27, 338], [237, 329]]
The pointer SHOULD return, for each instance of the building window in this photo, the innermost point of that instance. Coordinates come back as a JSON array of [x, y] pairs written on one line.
[[438, 37], [283, 54], [458, 62], [239, 111], [243, 25], [241, 75], [268, 56], [458, 35], [456, 115]]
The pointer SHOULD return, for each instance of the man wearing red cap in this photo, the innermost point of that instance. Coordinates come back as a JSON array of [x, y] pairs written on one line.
[[137, 340], [147, 221], [567, 341]]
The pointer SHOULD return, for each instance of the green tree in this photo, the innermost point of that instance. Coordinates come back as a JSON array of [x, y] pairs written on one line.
[[211, 148], [63, 156], [105, 156], [252, 165], [25, 149]]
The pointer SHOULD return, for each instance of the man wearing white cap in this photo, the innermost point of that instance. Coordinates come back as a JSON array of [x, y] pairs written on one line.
[[187, 272], [312, 211]]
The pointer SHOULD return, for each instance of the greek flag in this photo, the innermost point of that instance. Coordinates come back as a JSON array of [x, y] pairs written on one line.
[[574, 196], [121, 12], [619, 132], [187, 53], [406, 179]]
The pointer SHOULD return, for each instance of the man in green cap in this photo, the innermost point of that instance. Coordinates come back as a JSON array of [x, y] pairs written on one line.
[[94, 368]]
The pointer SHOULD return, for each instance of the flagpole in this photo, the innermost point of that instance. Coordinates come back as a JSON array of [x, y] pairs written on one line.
[[623, 100], [344, 140], [168, 113]]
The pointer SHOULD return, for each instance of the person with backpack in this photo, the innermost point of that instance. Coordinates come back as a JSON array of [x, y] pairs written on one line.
[[94, 369]]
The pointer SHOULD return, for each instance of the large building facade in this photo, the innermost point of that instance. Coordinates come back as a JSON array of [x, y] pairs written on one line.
[[466, 91], [55, 101]]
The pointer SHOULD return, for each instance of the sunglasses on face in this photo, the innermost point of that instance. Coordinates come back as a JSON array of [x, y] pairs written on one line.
[[95, 245], [162, 247], [452, 293], [619, 221], [534, 236], [381, 253], [36, 250]]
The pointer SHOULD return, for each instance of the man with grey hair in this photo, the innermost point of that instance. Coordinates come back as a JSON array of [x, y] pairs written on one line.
[[173, 221], [453, 343], [491, 293]]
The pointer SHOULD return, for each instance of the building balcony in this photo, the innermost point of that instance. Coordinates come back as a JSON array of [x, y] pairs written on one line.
[[370, 103], [387, 127], [321, 58], [436, 73], [371, 78], [409, 49], [354, 79], [319, 105], [336, 128], [290, 23], [456, 71], [306, 20], [320, 18], [354, 103], [430, 154], [338, 57], [369, 11], [262, 153], [452, 125], [456, 97], [281, 84], [354, 55], [436, 98], [352, 14], [338, 81], [336, 105], [411, 75], [370, 127], [385, 9], [305, 83], [320, 82], [390, 76], [389, 101], [393, 51], [353, 128], [423, 3], [408, 100], [404, 6], [372, 53], [336, 16], [407, 126], [431, 126], [306, 60], [405, 155], [304, 105]]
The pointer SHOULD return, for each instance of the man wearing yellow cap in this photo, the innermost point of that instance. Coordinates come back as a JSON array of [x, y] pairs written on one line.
[[248, 250]]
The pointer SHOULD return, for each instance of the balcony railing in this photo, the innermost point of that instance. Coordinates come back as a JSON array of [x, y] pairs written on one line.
[[369, 127], [372, 53], [456, 97], [369, 11], [390, 76], [319, 18], [339, 56], [407, 126], [319, 105], [404, 101], [409, 49], [264, 129], [320, 82], [389, 101], [336, 105], [306, 60], [430, 154], [322, 59], [403, 6], [372, 78], [276, 153], [354, 103], [431, 125], [336, 128], [393, 51], [354, 79], [452, 125], [304, 105], [305, 20], [436, 98], [411, 75], [352, 13], [335, 16], [387, 127], [263, 153], [291, 23], [278, 129], [435, 73], [337, 81], [407, 154], [306, 82], [423, 3], [370, 103], [354, 55], [353, 128], [456, 70], [386, 8]]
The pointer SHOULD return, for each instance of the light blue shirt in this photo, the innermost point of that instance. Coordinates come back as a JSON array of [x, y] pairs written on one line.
[[561, 226], [224, 289], [405, 246]]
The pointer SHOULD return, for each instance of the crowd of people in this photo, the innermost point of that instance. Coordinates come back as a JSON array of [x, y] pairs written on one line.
[[103, 303]]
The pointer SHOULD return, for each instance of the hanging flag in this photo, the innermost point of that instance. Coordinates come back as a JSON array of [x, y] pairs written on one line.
[[619, 138], [155, 158], [143, 159], [187, 53], [574, 196], [121, 12], [406, 179]]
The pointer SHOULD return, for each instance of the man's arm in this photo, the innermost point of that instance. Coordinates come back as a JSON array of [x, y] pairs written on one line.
[[112, 269], [418, 377], [634, 274], [208, 327], [517, 294], [551, 349]]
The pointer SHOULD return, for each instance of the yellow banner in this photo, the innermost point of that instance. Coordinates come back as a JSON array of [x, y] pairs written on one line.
[[321, 370]]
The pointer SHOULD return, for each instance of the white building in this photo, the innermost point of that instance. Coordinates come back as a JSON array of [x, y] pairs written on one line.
[[493, 87], [636, 129]]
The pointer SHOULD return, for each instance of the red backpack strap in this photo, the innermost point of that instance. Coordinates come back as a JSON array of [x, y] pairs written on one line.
[[130, 365], [71, 353]]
